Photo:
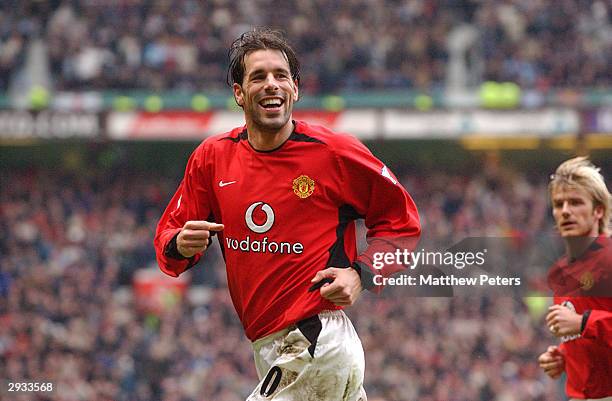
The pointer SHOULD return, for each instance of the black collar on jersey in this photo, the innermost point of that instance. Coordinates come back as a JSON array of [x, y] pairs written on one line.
[[294, 137], [236, 139]]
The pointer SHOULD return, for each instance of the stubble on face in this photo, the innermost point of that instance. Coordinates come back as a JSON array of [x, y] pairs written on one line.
[[267, 77]]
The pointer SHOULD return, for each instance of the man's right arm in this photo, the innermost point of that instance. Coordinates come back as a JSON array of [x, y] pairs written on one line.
[[183, 232]]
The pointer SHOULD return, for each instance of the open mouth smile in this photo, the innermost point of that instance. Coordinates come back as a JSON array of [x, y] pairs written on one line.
[[271, 104]]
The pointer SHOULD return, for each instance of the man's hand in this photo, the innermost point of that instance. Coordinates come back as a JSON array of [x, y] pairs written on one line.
[[562, 321], [344, 290], [552, 361], [194, 236]]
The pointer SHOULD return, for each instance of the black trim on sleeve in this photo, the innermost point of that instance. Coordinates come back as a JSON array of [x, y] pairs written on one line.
[[311, 328], [337, 253], [585, 318], [366, 275], [357, 268], [172, 251]]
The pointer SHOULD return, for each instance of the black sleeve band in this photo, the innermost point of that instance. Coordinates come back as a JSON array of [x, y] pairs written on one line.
[[357, 268], [171, 250], [585, 318], [366, 275]]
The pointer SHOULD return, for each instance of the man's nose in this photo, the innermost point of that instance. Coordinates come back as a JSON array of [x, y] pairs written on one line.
[[271, 83], [565, 209]]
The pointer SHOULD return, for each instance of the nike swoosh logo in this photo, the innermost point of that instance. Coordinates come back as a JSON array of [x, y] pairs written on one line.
[[222, 184]]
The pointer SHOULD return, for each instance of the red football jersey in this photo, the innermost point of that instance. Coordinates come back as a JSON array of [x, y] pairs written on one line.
[[586, 284], [288, 213]]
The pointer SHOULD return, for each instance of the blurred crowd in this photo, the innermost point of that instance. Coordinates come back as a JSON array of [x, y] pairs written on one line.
[[71, 242], [347, 45]]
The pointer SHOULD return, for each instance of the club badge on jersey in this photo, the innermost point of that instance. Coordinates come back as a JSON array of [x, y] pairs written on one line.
[[303, 186]]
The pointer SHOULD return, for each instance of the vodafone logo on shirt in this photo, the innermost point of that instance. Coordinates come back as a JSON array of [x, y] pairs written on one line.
[[265, 227], [254, 219]]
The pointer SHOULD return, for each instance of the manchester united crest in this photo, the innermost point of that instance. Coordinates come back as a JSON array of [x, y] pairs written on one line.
[[303, 186]]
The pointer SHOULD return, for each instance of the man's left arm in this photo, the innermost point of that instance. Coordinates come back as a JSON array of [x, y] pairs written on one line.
[[390, 214]]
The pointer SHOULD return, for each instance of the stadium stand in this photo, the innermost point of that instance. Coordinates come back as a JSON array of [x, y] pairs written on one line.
[[71, 243], [349, 45]]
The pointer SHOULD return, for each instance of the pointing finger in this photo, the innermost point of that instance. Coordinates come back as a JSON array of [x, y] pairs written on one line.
[[193, 243], [216, 227], [203, 225], [195, 234]]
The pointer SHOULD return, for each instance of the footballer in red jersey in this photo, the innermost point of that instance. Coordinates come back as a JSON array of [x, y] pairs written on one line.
[[582, 283], [282, 196]]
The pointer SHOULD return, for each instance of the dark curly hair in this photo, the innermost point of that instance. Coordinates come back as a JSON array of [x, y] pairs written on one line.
[[258, 39]]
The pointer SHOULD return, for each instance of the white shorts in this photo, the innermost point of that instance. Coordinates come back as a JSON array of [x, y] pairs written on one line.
[[318, 359]]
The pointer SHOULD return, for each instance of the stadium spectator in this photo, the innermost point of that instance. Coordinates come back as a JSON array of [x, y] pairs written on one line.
[[380, 44]]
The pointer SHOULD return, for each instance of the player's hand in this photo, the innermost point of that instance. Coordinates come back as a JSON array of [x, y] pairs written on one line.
[[194, 236], [344, 290], [562, 321], [552, 361]]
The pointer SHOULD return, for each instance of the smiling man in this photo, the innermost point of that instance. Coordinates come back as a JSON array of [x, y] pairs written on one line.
[[283, 196], [582, 283]]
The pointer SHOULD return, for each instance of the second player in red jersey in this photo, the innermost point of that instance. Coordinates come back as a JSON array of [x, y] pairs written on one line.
[[582, 283]]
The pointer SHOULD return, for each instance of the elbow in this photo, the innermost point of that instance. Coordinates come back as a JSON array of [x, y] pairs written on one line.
[[166, 270]]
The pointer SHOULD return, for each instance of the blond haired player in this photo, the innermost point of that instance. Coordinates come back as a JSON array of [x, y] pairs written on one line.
[[582, 283]]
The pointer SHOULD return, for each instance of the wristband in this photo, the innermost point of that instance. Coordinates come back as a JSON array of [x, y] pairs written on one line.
[[365, 274], [357, 268]]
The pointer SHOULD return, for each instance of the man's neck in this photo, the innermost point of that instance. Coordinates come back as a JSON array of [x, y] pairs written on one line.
[[268, 140], [576, 246]]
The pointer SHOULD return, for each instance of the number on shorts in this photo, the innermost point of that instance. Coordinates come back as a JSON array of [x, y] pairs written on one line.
[[274, 376]]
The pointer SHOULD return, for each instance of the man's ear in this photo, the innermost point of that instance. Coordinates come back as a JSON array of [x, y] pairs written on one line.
[[296, 95], [238, 94], [598, 212]]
